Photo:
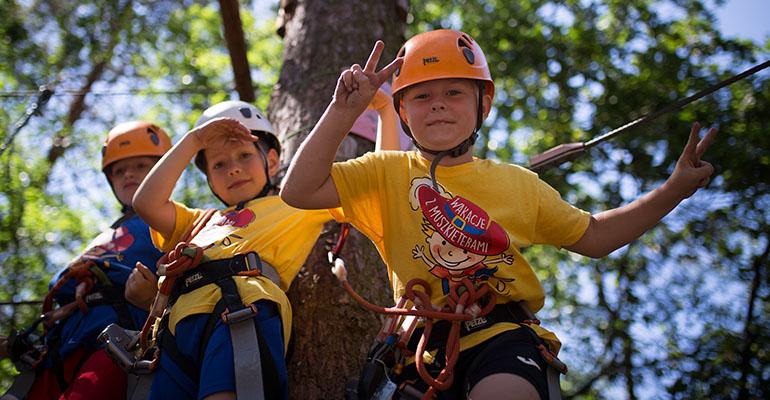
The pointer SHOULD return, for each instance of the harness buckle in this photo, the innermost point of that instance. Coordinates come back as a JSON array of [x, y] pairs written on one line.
[[233, 317], [120, 345]]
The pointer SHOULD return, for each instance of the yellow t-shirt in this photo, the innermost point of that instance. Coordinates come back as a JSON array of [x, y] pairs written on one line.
[[282, 236], [473, 227]]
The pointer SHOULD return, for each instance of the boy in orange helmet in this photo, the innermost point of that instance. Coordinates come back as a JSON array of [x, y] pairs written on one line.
[[440, 215], [75, 366]]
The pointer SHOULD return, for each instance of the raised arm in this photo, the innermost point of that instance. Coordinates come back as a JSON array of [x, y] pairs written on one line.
[[152, 200], [308, 182], [612, 229], [388, 137]]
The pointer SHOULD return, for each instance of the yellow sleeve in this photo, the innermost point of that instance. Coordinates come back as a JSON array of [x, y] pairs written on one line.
[[358, 182], [185, 217], [558, 222]]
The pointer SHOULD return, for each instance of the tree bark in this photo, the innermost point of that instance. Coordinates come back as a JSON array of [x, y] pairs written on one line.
[[331, 332]]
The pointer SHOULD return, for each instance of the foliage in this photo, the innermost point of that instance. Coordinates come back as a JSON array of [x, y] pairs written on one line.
[[668, 313], [681, 313]]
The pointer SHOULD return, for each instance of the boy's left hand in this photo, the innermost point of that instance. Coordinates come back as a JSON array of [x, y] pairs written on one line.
[[691, 173], [141, 287]]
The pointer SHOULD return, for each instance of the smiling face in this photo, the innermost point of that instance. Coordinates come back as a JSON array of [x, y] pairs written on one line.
[[126, 175], [236, 171], [442, 113], [450, 256]]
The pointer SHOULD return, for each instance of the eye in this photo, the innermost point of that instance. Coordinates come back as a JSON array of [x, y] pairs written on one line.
[[119, 171], [454, 92], [245, 155], [443, 242], [420, 96], [217, 165]]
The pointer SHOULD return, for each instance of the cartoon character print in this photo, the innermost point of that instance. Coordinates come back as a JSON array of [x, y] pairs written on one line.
[[462, 240]]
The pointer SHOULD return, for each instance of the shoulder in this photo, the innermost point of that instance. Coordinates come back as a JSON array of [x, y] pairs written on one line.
[[489, 167]]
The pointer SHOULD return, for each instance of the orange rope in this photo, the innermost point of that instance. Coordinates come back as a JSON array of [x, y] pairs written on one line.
[[172, 265], [462, 305]]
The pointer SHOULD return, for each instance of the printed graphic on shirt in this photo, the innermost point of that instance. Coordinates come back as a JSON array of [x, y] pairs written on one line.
[[221, 228], [463, 241], [110, 244]]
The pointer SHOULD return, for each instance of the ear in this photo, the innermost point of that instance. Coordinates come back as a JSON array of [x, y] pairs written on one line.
[[273, 162], [486, 102], [402, 111]]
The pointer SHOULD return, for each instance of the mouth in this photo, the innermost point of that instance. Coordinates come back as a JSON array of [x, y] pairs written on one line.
[[451, 264], [237, 184], [439, 122], [130, 185]]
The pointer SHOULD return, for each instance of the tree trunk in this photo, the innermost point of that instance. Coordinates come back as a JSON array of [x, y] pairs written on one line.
[[331, 332], [236, 46]]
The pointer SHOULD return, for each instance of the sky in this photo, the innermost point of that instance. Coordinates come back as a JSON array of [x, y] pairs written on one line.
[[745, 18]]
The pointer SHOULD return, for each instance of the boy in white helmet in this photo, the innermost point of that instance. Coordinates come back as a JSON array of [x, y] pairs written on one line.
[[235, 146], [76, 367], [441, 216]]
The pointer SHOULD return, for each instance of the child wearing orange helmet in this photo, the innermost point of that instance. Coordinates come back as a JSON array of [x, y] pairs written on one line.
[[75, 366], [457, 222]]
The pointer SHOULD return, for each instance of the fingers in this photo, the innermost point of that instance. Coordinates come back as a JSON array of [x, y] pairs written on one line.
[[692, 143], [705, 143], [389, 69], [374, 57], [145, 272]]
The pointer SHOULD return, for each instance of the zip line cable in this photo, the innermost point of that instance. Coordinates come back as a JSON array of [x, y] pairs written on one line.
[[568, 151], [36, 108]]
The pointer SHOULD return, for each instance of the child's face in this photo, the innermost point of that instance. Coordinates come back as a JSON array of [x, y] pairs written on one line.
[[127, 174], [442, 113], [235, 170]]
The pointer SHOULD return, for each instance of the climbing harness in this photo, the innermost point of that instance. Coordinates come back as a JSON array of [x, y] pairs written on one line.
[[469, 308], [27, 351], [186, 269], [565, 152]]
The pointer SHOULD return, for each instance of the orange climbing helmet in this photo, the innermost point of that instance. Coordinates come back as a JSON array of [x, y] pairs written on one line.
[[134, 139], [443, 54], [439, 54]]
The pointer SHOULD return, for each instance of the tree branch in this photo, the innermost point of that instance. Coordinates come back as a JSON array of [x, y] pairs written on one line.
[[236, 46], [748, 334]]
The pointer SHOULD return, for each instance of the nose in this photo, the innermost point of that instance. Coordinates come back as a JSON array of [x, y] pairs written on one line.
[[235, 170], [438, 106]]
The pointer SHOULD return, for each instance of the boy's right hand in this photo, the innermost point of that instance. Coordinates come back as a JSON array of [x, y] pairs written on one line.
[[356, 87], [220, 129], [141, 287]]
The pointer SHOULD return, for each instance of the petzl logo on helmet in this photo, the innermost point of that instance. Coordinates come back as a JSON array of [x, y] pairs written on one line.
[[462, 223], [430, 60]]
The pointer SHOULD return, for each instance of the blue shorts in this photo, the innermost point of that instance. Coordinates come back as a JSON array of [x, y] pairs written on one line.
[[217, 374]]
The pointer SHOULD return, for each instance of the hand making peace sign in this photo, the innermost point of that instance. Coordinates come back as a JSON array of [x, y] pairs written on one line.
[[691, 173], [356, 87]]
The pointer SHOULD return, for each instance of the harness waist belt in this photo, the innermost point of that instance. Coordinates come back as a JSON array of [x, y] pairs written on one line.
[[215, 270], [508, 312]]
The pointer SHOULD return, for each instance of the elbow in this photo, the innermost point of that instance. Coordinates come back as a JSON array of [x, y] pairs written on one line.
[[139, 204], [289, 197]]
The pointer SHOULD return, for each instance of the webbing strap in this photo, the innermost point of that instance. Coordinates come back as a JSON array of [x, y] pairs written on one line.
[[552, 379], [246, 360], [138, 386], [21, 386]]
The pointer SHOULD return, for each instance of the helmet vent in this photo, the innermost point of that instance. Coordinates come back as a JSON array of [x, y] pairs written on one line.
[[401, 54], [466, 48], [245, 111]]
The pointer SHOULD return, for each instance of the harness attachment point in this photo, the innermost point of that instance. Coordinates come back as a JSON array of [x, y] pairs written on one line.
[[234, 317]]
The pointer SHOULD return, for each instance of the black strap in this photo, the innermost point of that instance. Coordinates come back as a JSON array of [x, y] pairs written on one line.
[[212, 272], [167, 344], [508, 312], [114, 296]]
